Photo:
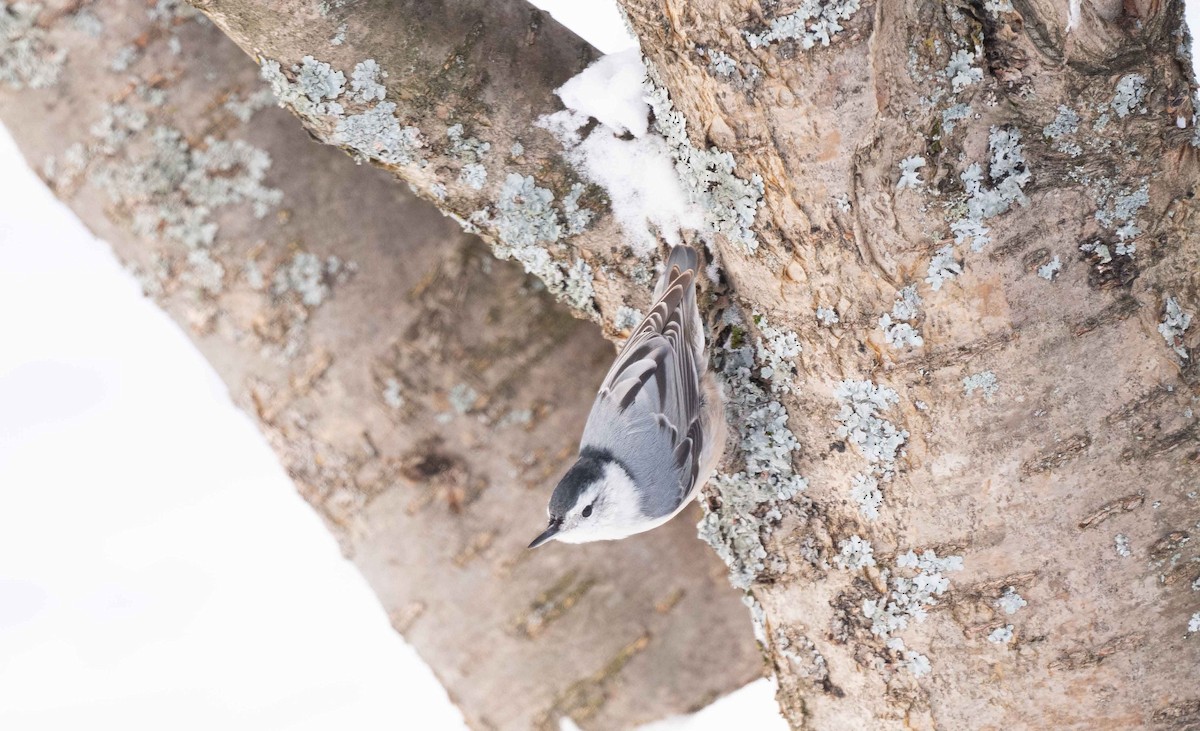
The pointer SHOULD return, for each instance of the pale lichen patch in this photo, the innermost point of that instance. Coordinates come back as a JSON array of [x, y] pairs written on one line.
[[462, 398], [465, 148], [961, 71], [915, 584], [244, 108], [204, 272], [815, 22], [917, 664], [577, 217], [827, 316], [1001, 635], [1174, 324], [366, 81], [855, 553], [375, 133], [473, 175], [1010, 601], [1050, 269], [340, 36], [1121, 544], [172, 191], [1117, 209], [909, 177], [525, 219], [319, 81], [27, 59], [126, 57], [898, 329], [1064, 126], [88, 23], [729, 202], [877, 439], [984, 382], [864, 490], [746, 504], [954, 114], [1008, 174], [1130, 93], [626, 318], [943, 267], [393, 394], [777, 349], [308, 276]]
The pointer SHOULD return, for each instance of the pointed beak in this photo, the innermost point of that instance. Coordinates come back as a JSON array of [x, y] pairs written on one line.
[[547, 534]]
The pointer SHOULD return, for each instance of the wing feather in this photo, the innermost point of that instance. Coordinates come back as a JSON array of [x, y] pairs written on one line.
[[657, 430]]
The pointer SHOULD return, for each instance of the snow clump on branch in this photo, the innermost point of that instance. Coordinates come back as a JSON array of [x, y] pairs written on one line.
[[633, 166], [656, 180]]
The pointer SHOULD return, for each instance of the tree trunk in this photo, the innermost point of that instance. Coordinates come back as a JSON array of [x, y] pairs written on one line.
[[423, 396], [1032, 419], [957, 249]]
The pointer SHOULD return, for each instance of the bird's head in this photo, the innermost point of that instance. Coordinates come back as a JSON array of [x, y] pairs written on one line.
[[596, 500]]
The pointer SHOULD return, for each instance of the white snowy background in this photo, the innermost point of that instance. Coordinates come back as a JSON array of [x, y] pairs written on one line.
[[157, 567]]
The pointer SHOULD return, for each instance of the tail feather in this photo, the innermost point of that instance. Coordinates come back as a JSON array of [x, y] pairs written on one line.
[[683, 258]]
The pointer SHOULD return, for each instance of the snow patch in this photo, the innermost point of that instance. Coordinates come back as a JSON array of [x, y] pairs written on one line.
[[638, 174]]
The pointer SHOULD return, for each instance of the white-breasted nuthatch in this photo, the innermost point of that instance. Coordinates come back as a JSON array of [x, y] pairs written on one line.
[[656, 430]]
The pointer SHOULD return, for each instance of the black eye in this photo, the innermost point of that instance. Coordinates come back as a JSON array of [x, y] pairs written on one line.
[[587, 512]]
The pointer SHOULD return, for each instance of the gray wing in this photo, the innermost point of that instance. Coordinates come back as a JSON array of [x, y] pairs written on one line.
[[648, 411]]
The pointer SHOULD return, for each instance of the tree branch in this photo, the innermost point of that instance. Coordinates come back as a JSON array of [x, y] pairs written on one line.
[[423, 396], [456, 89]]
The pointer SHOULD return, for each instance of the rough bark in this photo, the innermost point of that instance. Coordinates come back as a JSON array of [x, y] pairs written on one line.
[[423, 396], [469, 80], [1032, 415], [1086, 440]]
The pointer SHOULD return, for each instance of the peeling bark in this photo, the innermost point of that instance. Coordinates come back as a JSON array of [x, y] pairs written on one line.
[[422, 395]]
